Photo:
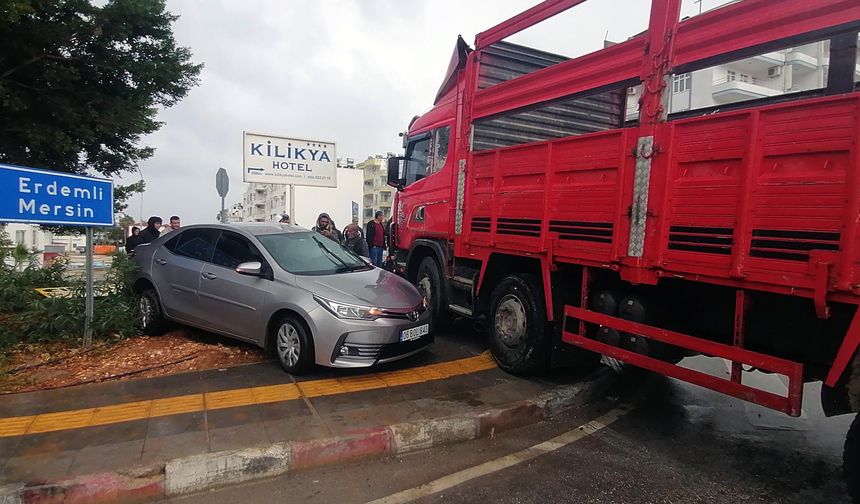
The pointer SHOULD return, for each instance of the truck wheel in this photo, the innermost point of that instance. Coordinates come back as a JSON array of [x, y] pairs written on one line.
[[293, 345], [519, 336], [152, 321], [429, 282], [851, 460]]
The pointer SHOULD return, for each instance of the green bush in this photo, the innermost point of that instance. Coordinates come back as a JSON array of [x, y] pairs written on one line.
[[26, 316]]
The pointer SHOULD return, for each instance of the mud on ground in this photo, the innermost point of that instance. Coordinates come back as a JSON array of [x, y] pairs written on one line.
[[44, 366]]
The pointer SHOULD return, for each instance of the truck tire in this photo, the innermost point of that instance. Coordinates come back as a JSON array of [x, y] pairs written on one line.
[[152, 321], [851, 460], [519, 336], [429, 282]]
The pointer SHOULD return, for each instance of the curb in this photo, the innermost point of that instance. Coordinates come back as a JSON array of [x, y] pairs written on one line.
[[210, 470]]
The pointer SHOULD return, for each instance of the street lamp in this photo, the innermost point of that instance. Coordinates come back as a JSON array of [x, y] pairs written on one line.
[[141, 194]]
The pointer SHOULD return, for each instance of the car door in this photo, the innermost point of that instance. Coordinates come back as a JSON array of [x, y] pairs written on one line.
[[232, 300], [176, 269]]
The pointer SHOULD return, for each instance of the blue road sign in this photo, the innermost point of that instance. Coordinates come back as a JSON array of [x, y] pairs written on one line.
[[46, 197]]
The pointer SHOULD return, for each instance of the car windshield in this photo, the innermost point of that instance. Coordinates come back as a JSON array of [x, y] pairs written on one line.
[[311, 254]]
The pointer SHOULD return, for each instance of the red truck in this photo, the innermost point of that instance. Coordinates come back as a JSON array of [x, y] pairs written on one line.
[[570, 205]]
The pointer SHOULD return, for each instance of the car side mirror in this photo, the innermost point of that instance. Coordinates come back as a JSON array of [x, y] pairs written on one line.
[[251, 268], [396, 172]]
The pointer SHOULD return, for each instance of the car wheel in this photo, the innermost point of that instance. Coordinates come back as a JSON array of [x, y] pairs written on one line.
[[519, 333], [152, 321], [293, 345], [851, 460], [429, 283]]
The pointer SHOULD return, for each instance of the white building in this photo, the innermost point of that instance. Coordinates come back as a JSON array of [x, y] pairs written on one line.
[[378, 195], [792, 70], [236, 212], [31, 236], [267, 202], [35, 238]]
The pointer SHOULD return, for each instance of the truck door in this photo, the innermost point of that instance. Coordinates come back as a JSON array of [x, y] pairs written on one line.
[[424, 207]]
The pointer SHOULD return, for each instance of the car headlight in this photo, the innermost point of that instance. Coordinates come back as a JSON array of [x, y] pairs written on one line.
[[349, 311]]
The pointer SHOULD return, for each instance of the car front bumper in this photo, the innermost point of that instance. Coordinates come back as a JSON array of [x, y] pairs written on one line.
[[367, 342]]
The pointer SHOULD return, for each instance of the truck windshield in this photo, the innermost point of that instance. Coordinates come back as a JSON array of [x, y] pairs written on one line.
[[416, 159], [311, 254]]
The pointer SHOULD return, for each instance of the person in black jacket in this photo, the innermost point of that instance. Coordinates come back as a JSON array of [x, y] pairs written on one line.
[[151, 231], [354, 241], [132, 240]]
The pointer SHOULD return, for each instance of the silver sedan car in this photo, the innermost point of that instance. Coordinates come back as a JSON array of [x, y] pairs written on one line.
[[283, 288]]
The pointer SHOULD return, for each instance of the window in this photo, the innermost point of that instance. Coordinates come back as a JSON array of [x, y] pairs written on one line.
[[731, 75], [197, 244], [744, 78], [416, 159], [681, 83], [233, 250], [439, 150], [19, 237], [171, 244]]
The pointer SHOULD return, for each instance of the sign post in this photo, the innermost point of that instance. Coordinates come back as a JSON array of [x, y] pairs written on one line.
[[36, 196], [89, 303], [292, 203], [222, 185]]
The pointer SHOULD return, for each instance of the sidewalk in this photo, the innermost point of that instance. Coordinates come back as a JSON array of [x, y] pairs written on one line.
[[134, 428]]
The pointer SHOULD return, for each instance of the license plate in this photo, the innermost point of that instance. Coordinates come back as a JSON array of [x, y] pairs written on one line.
[[414, 333]]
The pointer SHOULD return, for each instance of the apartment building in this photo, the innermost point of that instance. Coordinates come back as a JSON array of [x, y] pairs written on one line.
[[378, 195], [792, 70]]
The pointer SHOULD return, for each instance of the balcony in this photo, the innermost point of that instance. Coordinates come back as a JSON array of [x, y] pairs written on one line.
[[801, 62], [729, 91], [769, 59]]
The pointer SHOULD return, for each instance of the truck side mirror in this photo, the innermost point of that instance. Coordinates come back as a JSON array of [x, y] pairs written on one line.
[[396, 172]]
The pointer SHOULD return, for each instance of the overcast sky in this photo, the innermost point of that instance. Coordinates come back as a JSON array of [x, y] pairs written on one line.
[[349, 71]]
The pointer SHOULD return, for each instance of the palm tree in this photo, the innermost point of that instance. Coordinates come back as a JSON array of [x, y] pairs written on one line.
[[22, 257]]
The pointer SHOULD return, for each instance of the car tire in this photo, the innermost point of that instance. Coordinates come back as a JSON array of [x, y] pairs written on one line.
[[293, 345], [429, 283], [152, 321], [851, 460], [519, 335]]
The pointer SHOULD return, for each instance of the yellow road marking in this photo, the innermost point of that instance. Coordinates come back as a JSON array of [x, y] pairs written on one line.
[[14, 426], [176, 405], [276, 393], [141, 410]]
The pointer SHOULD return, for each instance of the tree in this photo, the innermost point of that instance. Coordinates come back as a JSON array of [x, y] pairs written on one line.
[[80, 83], [117, 234]]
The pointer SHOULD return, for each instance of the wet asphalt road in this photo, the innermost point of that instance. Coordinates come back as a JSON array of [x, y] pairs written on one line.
[[677, 444]]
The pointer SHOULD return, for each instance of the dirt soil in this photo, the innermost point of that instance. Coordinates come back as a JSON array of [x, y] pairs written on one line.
[[54, 365]]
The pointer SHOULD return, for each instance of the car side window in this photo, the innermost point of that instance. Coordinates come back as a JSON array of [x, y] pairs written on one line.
[[233, 250], [197, 244], [171, 244]]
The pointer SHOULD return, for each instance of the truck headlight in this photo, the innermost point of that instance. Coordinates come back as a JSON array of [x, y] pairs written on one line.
[[349, 311]]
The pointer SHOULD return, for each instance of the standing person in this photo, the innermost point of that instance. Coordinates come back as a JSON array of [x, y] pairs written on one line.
[[354, 241], [375, 234], [150, 232], [173, 226], [325, 227], [285, 219], [132, 240]]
